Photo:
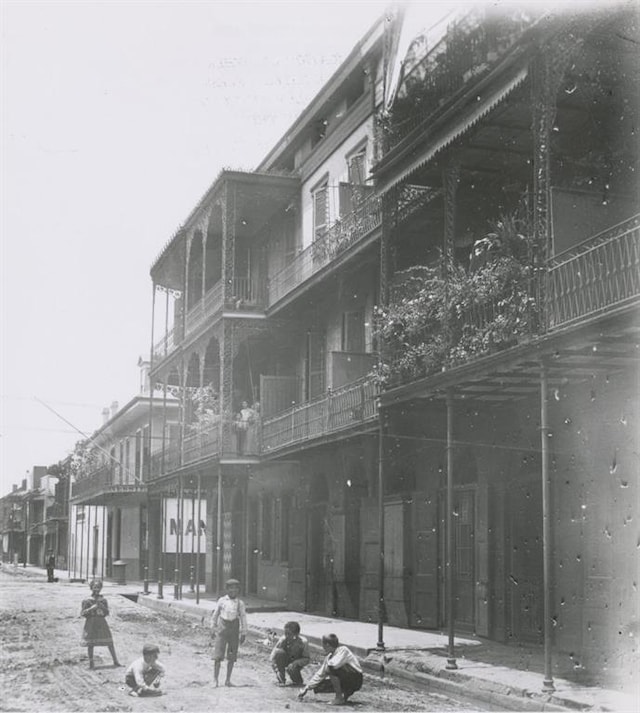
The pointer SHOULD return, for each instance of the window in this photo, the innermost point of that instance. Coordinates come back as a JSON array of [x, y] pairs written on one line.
[[138, 455], [355, 189], [121, 463], [127, 464], [285, 507], [316, 364], [267, 522], [356, 164], [353, 332], [320, 210]]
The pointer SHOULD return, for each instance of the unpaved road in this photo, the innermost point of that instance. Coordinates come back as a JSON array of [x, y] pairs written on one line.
[[44, 667]]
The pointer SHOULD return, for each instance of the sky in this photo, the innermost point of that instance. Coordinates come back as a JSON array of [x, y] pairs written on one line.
[[116, 117]]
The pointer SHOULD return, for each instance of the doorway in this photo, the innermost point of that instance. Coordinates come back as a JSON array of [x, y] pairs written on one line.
[[525, 573]]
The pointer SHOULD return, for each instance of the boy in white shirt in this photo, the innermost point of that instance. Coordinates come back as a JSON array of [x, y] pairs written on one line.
[[229, 629], [340, 673], [144, 674]]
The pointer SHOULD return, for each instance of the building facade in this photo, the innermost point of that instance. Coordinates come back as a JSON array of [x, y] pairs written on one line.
[[109, 515], [510, 407], [410, 337]]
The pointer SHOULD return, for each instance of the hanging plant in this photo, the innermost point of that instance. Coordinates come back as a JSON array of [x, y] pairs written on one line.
[[441, 316]]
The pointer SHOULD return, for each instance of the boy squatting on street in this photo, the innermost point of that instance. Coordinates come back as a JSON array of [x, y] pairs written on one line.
[[290, 654], [229, 628], [144, 674], [340, 672]]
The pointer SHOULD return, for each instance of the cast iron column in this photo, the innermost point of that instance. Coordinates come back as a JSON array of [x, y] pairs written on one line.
[[451, 657], [547, 684]]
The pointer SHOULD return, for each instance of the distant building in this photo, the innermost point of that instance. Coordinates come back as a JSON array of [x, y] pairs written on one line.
[[110, 471]]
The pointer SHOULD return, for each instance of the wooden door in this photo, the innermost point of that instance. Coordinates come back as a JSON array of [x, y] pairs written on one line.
[[424, 605], [525, 575], [318, 579], [369, 560], [278, 393], [464, 538], [463, 523], [297, 586]]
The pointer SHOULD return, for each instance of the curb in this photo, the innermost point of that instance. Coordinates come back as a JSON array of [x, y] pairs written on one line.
[[512, 699]]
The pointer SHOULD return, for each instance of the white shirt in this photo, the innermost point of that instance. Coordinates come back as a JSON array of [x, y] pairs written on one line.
[[230, 609], [341, 656]]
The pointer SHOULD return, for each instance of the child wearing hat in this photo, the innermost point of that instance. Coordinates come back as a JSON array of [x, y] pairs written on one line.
[[144, 674], [229, 629]]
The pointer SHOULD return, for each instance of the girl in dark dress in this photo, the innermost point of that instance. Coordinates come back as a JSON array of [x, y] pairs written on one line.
[[96, 631]]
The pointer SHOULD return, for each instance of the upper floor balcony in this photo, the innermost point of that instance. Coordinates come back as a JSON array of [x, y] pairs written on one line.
[[101, 484], [247, 294], [231, 439], [480, 315], [601, 273], [350, 406], [454, 57], [343, 409], [340, 236]]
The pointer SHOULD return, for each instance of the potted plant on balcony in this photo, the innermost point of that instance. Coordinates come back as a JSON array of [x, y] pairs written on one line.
[[442, 315]]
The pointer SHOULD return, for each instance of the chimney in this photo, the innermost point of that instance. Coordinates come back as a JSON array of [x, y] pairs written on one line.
[[114, 408], [14, 488], [24, 484], [37, 474], [105, 415]]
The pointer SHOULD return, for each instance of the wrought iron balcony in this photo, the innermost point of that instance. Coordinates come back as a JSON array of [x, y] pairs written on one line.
[[341, 235], [103, 481], [466, 51], [228, 438], [351, 405], [600, 273], [247, 293]]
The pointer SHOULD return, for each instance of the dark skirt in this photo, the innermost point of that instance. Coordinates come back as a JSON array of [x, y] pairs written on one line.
[[96, 632]]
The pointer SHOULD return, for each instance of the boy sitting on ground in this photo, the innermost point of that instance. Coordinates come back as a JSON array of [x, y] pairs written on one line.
[[290, 655], [144, 674], [340, 673]]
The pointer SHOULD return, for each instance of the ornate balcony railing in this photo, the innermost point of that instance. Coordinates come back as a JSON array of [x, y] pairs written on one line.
[[228, 438], [469, 47], [341, 235], [247, 292], [104, 480], [599, 273], [351, 405]]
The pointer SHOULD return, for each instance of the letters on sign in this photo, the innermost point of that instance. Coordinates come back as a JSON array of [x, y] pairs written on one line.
[[180, 529]]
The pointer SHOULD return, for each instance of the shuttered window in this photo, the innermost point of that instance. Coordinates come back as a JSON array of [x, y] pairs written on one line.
[[320, 211]]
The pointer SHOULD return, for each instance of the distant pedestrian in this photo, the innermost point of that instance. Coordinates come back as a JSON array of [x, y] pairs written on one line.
[[229, 629], [96, 631], [340, 673], [51, 565], [144, 674], [290, 655]]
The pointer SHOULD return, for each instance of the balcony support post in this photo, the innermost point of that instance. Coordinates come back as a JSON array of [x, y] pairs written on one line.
[[381, 604], [219, 532], [451, 656], [199, 495], [547, 684]]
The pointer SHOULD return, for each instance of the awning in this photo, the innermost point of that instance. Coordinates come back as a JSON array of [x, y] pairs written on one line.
[[449, 133]]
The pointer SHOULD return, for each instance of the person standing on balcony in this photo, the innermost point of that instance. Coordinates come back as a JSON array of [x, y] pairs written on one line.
[[245, 422]]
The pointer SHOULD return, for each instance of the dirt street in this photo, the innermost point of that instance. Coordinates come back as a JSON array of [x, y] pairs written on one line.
[[45, 668]]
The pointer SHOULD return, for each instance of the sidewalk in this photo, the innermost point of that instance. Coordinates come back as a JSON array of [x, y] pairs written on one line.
[[509, 677]]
